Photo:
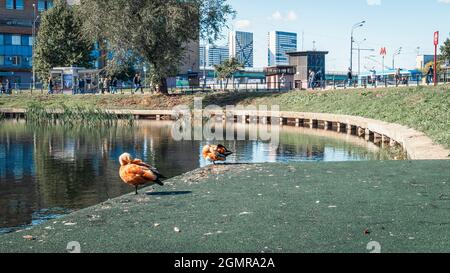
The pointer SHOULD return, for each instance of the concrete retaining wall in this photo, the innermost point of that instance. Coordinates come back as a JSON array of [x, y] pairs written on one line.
[[417, 145]]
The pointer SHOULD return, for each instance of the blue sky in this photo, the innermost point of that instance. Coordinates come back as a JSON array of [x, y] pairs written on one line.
[[390, 23]]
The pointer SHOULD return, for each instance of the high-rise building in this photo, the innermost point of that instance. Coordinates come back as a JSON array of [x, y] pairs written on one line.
[[214, 55], [241, 47], [281, 43], [217, 55]]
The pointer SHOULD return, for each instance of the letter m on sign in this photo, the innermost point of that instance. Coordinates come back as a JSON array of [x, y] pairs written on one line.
[[383, 51]]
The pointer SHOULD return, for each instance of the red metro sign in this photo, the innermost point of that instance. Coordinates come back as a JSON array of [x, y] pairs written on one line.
[[436, 38]]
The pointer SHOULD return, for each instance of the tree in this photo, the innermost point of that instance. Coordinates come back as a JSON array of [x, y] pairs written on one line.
[[445, 50], [156, 31], [227, 69], [60, 41]]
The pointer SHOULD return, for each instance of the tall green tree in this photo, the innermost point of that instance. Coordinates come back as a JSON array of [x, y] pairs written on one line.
[[156, 31], [445, 50], [227, 69], [60, 41]]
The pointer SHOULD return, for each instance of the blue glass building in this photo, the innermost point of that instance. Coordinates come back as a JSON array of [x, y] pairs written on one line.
[[16, 40], [281, 43]]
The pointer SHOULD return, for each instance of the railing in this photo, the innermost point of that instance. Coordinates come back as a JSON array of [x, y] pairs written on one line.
[[364, 82], [384, 82], [129, 89]]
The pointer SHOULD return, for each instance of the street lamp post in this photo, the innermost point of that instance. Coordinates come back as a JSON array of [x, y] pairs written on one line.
[[398, 52], [360, 24], [204, 66], [33, 45]]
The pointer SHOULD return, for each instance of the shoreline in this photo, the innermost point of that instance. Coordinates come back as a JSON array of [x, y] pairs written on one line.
[[417, 145]]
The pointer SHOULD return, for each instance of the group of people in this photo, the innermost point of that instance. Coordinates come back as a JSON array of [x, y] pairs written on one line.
[[314, 79], [5, 87], [108, 85], [401, 79], [105, 85]]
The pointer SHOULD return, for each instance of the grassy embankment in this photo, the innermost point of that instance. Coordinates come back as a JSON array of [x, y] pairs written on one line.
[[426, 109]]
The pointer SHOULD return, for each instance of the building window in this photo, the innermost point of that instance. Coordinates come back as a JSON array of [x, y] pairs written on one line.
[[1, 39], [15, 4], [16, 40], [19, 4], [27, 61], [27, 40], [15, 60], [44, 5], [2, 60], [9, 4]]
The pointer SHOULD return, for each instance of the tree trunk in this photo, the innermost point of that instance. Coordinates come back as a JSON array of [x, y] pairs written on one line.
[[162, 86]]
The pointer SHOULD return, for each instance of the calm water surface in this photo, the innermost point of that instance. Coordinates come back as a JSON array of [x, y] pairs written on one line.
[[48, 172]]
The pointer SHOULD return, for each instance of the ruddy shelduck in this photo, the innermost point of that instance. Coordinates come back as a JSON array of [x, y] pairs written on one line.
[[215, 153], [135, 172]]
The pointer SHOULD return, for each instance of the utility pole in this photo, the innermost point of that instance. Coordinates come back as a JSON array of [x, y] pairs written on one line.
[[358, 25], [398, 52], [359, 49]]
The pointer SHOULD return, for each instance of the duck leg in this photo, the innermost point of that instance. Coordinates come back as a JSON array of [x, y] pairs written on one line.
[[136, 190]]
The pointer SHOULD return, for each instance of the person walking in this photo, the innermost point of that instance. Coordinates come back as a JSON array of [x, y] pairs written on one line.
[[430, 75], [318, 79], [398, 76], [101, 88], [138, 83], [8, 87], [114, 86], [50, 85], [311, 79], [374, 78], [107, 85], [2, 88], [81, 86], [350, 77]]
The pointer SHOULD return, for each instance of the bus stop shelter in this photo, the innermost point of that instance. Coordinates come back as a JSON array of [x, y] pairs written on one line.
[[75, 80]]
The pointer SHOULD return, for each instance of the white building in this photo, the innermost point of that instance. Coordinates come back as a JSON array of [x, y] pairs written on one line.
[[241, 47], [281, 43]]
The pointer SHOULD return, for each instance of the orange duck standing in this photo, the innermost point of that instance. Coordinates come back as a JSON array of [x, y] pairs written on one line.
[[215, 153], [135, 173]]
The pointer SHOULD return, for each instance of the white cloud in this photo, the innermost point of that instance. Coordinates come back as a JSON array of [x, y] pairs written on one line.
[[290, 16], [444, 1], [378, 2], [242, 24], [277, 16]]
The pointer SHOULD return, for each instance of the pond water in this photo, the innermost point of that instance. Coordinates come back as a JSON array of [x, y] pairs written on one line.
[[48, 172]]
